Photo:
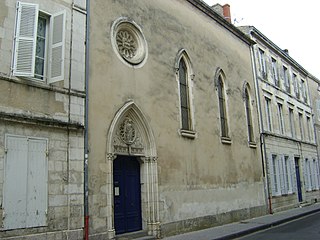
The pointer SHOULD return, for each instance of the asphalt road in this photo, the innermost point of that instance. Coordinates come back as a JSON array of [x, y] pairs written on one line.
[[306, 228]]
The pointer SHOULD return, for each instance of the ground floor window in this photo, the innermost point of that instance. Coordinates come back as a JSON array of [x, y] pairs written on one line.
[[281, 172], [25, 195]]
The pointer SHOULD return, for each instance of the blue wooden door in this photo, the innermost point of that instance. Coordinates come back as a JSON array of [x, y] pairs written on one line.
[[127, 194], [296, 160]]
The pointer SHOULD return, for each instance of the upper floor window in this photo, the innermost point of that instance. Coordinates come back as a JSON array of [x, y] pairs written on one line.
[[301, 126], [291, 122], [309, 128], [275, 72], [268, 114], [286, 79], [39, 44], [262, 63], [222, 107], [185, 75], [249, 115], [295, 85], [304, 91], [280, 115]]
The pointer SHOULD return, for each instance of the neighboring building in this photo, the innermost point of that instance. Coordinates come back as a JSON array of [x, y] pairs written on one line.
[[173, 124], [287, 130], [41, 119]]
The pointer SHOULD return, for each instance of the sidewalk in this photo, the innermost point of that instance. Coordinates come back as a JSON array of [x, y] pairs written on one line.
[[233, 230]]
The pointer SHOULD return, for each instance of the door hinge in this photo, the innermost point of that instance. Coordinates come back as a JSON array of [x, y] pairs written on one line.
[[5, 150]]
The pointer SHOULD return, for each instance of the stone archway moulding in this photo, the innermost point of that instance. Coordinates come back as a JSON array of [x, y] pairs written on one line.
[[131, 134]]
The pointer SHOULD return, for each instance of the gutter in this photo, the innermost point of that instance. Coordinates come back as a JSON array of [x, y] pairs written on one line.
[[86, 148]]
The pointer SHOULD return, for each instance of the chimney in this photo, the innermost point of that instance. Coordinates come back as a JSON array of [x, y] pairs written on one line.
[[223, 11], [226, 12]]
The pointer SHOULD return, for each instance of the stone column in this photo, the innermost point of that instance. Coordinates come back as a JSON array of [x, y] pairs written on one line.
[[110, 222]]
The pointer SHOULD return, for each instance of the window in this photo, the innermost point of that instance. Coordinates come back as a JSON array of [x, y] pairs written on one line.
[[296, 85], [262, 63], [291, 122], [249, 116], [315, 174], [286, 79], [268, 114], [275, 72], [222, 108], [39, 44], [25, 182], [308, 175], [184, 74], [184, 96], [309, 128], [318, 108], [288, 175], [304, 91], [301, 126], [274, 175], [280, 116], [281, 175]]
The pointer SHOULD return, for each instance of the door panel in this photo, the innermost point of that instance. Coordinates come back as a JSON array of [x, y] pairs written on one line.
[[127, 194]]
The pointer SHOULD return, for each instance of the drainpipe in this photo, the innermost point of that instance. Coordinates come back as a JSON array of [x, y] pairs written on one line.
[[86, 148], [261, 129]]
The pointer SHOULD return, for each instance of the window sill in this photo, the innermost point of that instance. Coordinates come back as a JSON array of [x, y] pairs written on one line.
[[188, 133], [252, 144], [226, 140]]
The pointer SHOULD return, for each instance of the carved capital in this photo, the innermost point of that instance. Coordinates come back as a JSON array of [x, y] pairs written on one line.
[[111, 156]]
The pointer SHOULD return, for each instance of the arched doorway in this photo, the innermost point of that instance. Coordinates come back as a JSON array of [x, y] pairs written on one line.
[[131, 147]]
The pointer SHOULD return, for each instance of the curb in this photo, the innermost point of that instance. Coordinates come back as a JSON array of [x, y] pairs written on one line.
[[265, 226]]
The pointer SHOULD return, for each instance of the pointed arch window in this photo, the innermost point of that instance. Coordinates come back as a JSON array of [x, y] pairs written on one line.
[[184, 96], [222, 108], [184, 78], [247, 101]]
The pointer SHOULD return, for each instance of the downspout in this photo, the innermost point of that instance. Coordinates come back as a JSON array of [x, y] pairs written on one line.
[[86, 148], [262, 134]]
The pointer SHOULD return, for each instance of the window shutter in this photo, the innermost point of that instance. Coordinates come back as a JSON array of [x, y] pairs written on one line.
[[25, 39], [56, 61], [37, 197], [15, 192], [282, 174], [272, 176], [306, 175]]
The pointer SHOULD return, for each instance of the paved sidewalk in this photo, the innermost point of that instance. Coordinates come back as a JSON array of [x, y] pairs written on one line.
[[233, 230]]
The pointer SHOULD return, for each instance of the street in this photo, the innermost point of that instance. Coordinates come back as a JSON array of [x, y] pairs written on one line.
[[306, 228]]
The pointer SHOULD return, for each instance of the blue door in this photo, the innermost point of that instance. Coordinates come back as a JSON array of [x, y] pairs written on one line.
[[296, 161], [127, 194]]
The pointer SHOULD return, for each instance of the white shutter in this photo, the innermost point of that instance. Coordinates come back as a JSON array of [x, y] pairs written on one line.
[[15, 179], [56, 59], [272, 176], [306, 175], [37, 197], [25, 39], [281, 169]]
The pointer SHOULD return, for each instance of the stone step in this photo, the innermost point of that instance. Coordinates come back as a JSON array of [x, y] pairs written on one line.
[[140, 235]]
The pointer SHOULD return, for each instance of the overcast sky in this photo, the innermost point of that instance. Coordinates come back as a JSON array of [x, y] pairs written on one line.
[[292, 25]]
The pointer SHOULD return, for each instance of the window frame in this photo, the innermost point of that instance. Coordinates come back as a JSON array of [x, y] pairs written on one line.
[[183, 56], [262, 63], [220, 83]]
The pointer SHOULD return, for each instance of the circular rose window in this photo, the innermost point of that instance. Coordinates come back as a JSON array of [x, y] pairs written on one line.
[[129, 42]]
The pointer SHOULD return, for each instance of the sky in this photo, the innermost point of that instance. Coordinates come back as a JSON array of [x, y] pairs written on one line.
[[292, 25]]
